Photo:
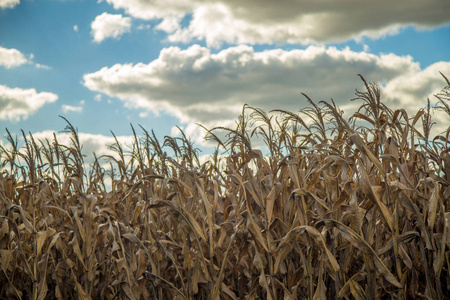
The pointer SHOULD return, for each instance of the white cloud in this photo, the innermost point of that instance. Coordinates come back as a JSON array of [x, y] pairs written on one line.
[[154, 9], [196, 85], [109, 26], [412, 90], [175, 131], [8, 3], [170, 24], [17, 103], [69, 108], [143, 27], [302, 21], [75, 28], [45, 67], [10, 58], [143, 114]]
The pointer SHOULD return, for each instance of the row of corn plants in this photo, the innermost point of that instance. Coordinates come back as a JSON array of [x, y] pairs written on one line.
[[335, 208]]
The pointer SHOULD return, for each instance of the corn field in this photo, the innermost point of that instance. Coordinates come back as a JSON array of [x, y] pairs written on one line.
[[329, 208]]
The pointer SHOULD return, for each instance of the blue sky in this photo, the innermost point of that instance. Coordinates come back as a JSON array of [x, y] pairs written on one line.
[[106, 64]]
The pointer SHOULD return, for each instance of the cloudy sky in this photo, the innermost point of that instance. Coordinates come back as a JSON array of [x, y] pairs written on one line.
[[161, 63]]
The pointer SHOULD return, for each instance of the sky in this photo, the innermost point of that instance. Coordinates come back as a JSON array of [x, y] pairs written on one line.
[[164, 63]]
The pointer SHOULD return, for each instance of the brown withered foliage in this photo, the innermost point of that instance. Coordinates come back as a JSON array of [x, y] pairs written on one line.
[[338, 208]]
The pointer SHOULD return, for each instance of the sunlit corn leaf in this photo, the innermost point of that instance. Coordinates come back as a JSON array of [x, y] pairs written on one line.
[[42, 236], [374, 194], [356, 139]]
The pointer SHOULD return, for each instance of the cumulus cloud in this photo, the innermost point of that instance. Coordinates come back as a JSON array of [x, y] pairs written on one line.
[[412, 90], [143, 114], [17, 103], [44, 67], [303, 21], [199, 86], [109, 26], [170, 24], [70, 108], [8, 3], [10, 58], [144, 26]]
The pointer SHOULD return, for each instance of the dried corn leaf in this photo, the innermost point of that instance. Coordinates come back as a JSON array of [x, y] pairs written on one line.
[[374, 193], [270, 201], [433, 205], [250, 186], [355, 138], [76, 249], [43, 289], [255, 230], [321, 290], [81, 292], [303, 192], [406, 201], [438, 262], [6, 256], [23, 215], [199, 230], [42, 236], [126, 288], [228, 291], [403, 238], [362, 245], [4, 230], [356, 290], [259, 264]]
